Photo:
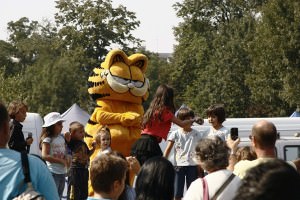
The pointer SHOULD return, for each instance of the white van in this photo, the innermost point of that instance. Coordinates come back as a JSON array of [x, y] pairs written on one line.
[[33, 124], [287, 147], [288, 128]]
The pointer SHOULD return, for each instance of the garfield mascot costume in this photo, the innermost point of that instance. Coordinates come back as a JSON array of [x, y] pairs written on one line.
[[119, 87]]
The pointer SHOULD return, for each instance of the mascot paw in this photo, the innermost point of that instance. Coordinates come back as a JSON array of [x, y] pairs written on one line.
[[131, 119]]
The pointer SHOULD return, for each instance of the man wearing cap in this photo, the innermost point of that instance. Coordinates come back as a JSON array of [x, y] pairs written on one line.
[[54, 150], [11, 176]]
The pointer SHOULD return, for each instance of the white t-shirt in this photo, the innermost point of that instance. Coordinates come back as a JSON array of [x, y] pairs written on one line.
[[57, 150], [214, 181], [184, 146], [105, 151], [223, 132]]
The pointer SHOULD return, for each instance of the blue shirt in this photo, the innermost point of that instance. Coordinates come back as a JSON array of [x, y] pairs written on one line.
[[12, 178]]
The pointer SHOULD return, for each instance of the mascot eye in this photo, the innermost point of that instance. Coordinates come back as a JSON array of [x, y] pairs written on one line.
[[121, 80], [138, 84], [104, 74]]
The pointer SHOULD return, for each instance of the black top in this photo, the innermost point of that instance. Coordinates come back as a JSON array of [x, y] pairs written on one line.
[[80, 153], [17, 141]]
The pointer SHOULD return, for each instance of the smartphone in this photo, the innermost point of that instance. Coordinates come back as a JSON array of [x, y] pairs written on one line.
[[234, 133]]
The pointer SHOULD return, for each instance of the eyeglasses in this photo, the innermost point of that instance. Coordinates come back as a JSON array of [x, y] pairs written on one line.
[[250, 137]]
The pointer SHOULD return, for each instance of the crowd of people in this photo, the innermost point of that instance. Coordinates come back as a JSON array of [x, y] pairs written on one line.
[[210, 163]]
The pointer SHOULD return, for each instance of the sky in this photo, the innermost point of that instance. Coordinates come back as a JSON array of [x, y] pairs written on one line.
[[157, 18]]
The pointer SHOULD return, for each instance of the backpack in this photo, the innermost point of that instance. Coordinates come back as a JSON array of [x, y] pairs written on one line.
[[11, 130], [29, 193]]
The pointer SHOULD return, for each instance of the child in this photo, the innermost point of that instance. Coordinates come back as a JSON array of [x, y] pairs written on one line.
[[103, 139], [53, 148], [78, 174], [245, 153], [107, 175], [216, 116], [17, 112], [128, 192], [156, 124], [155, 180], [185, 140]]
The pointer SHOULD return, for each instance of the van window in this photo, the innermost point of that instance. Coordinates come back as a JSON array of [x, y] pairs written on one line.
[[291, 152]]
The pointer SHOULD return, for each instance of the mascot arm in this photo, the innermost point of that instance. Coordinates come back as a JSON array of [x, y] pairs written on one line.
[[126, 119]]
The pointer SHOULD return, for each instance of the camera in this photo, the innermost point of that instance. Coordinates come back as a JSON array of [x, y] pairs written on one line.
[[234, 133]]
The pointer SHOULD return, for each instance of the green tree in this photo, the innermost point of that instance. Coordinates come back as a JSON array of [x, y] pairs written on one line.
[[20, 34], [55, 60], [94, 26], [7, 59], [156, 73], [9, 89], [275, 52], [210, 63]]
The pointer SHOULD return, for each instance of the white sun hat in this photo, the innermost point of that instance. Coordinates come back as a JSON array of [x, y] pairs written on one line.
[[52, 118]]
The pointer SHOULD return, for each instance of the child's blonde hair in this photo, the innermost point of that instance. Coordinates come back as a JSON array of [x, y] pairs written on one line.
[[75, 126], [102, 130]]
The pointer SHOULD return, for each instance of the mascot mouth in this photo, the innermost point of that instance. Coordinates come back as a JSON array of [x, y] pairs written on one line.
[[121, 85]]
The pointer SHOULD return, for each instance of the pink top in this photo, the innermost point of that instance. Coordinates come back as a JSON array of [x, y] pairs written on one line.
[[160, 128]]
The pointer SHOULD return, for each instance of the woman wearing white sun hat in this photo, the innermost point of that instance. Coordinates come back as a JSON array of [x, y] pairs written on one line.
[[54, 150]]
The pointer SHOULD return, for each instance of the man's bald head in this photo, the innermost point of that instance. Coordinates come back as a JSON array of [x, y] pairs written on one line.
[[265, 134]]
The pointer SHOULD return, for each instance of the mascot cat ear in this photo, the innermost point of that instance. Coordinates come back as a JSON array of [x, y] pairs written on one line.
[[139, 60], [113, 57]]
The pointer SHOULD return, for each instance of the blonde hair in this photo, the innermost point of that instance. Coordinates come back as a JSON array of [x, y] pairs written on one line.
[[102, 130]]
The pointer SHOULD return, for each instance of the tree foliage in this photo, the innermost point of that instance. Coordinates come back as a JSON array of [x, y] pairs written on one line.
[[243, 54], [94, 26], [54, 60]]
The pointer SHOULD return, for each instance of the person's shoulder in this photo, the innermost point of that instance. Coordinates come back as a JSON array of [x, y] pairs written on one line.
[[174, 133], [196, 184], [47, 139], [224, 129], [168, 111], [291, 163], [244, 162], [9, 154], [35, 160], [242, 166], [95, 198], [198, 133], [130, 192], [177, 131], [193, 191]]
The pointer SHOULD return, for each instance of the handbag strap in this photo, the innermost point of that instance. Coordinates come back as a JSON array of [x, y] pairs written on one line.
[[205, 189], [221, 189], [25, 167]]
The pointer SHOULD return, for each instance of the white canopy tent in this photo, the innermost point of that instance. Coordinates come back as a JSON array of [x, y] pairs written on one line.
[[74, 113]]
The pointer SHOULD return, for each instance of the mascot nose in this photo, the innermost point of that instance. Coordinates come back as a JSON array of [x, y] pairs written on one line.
[[130, 85]]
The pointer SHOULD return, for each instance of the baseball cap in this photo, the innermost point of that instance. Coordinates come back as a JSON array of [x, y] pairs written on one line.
[[52, 118]]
